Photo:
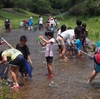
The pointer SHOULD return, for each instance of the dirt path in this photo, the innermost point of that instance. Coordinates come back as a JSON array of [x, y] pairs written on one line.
[[70, 77]]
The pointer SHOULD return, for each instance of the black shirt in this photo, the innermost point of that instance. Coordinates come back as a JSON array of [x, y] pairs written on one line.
[[25, 50]]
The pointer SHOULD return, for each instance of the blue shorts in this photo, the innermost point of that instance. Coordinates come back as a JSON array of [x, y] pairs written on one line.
[[97, 68], [17, 61], [49, 59]]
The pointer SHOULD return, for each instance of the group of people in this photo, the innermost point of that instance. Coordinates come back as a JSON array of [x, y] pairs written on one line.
[[70, 42], [27, 24], [52, 23], [17, 60]]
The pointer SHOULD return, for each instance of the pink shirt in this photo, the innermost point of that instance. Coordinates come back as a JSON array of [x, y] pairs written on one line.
[[49, 48]]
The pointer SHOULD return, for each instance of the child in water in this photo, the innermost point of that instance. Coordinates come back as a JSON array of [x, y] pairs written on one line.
[[96, 63], [49, 51], [21, 46]]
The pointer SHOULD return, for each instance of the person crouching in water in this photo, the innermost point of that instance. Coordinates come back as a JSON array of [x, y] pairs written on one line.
[[78, 45], [49, 51], [16, 59]]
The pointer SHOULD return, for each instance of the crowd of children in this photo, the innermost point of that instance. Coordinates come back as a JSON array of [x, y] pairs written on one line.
[[16, 60], [27, 24], [71, 42]]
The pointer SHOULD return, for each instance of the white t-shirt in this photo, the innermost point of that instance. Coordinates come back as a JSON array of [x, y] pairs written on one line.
[[52, 22], [49, 48], [59, 32], [67, 34], [41, 20]]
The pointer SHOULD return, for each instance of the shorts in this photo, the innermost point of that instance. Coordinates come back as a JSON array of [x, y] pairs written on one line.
[[60, 41], [49, 59], [17, 61], [97, 68], [40, 26]]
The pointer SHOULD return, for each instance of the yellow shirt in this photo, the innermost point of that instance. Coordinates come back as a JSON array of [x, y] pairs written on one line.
[[13, 53]]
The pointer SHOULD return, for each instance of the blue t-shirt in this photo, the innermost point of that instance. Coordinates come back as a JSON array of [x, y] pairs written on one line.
[[78, 44], [30, 22]]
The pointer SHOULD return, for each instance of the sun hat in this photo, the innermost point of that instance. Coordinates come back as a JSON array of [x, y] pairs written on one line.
[[31, 18]]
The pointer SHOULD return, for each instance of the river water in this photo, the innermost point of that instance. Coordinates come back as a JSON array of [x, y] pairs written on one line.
[[70, 80]]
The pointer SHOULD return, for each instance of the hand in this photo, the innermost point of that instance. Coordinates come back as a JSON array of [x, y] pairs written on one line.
[[40, 36], [30, 61]]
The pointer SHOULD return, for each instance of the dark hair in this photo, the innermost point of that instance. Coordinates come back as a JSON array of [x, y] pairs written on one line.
[[23, 38], [82, 36], [63, 28], [1, 55], [84, 24], [78, 22], [69, 28], [48, 33]]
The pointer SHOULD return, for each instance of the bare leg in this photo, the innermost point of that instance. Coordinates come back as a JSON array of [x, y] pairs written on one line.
[[92, 76], [50, 70], [14, 73]]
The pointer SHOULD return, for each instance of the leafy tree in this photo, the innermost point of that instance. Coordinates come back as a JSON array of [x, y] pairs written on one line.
[[7, 3], [40, 6]]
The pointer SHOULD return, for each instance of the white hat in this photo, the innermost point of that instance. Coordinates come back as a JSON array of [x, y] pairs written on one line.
[[31, 18]]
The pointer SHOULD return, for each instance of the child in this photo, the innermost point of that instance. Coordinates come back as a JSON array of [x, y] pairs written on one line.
[[96, 64], [61, 30], [21, 46], [16, 59], [78, 45], [49, 51]]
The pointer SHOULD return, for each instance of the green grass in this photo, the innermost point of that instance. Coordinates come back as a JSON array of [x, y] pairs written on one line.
[[16, 18], [93, 25]]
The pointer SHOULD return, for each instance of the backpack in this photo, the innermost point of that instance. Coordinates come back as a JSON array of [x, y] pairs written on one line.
[[97, 57]]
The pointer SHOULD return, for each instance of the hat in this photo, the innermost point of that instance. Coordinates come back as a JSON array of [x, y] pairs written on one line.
[[31, 18]]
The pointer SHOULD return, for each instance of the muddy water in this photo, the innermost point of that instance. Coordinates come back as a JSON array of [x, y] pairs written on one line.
[[70, 78]]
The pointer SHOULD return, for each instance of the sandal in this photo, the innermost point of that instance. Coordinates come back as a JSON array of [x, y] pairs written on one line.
[[15, 87], [50, 76]]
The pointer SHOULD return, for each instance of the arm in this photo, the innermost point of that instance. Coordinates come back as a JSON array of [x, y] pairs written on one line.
[[42, 44], [29, 59], [46, 41], [4, 59]]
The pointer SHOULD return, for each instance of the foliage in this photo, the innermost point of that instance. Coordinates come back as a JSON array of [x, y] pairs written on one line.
[[74, 7], [93, 25], [5, 92]]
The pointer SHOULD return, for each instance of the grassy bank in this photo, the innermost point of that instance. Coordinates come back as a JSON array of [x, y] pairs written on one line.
[[93, 25], [16, 16]]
